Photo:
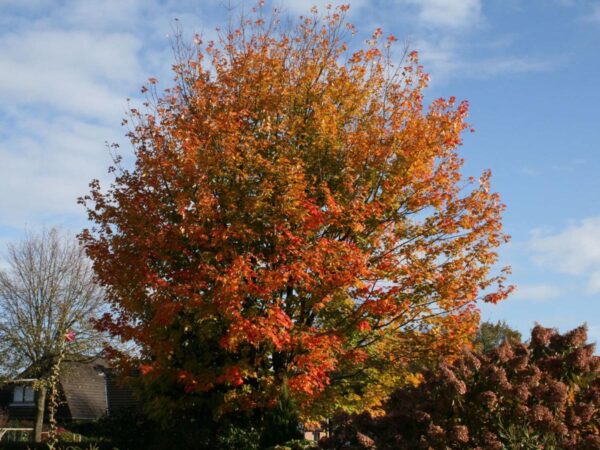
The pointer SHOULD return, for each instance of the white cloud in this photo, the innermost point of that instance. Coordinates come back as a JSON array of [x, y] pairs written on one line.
[[529, 171], [439, 56], [303, 7], [451, 14], [573, 251], [63, 93], [594, 15], [66, 69], [594, 335], [445, 40], [444, 58], [594, 283], [70, 71], [46, 164], [102, 14], [508, 65], [536, 292], [566, 2], [26, 4]]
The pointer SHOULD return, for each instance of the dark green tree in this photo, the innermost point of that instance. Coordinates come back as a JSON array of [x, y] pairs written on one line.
[[491, 335], [281, 423]]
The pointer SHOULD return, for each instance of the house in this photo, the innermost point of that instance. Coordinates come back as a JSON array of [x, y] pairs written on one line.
[[88, 389], [315, 432]]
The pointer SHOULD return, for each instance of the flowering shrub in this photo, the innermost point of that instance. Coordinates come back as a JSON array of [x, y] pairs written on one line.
[[544, 394]]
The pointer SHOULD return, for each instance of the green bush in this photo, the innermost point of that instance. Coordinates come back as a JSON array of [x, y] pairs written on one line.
[[256, 430], [127, 429], [44, 446], [296, 444]]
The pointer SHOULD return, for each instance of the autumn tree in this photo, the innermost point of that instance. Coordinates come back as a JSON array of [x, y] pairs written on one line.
[[46, 290], [295, 216]]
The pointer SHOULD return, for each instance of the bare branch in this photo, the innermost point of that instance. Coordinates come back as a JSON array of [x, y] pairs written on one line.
[[46, 289]]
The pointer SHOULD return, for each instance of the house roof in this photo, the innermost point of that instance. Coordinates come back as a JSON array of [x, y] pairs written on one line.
[[85, 388]]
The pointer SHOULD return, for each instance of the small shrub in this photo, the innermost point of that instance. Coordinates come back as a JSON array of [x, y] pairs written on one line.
[[44, 446], [296, 444], [238, 437]]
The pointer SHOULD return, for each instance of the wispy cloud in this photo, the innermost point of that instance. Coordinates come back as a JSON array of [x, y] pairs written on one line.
[[46, 165], [529, 171], [303, 6], [440, 56], [509, 65], [444, 57], [454, 40], [566, 2], [573, 251], [594, 15], [536, 292], [66, 70], [452, 14], [78, 72], [594, 335]]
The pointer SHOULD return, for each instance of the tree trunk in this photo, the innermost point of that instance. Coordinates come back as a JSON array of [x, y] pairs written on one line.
[[39, 414]]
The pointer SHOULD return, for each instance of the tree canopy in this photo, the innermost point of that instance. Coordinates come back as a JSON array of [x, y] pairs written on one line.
[[295, 219], [47, 291]]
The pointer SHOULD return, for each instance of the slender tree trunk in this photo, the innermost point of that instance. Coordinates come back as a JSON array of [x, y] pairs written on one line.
[[39, 414]]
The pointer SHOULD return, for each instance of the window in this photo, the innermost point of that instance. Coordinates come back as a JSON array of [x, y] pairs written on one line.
[[28, 395], [23, 394]]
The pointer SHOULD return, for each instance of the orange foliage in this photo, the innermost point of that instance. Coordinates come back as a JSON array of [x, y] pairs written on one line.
[[295, 214]]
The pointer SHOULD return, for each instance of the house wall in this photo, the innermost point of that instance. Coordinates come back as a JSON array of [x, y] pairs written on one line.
[[27, 412], [24, 412], [119, 395]]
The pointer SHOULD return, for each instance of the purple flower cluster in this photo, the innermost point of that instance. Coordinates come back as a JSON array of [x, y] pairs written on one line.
[[545, 394]]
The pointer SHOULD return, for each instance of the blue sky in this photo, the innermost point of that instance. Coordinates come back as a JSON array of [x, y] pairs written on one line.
[[530, 69]]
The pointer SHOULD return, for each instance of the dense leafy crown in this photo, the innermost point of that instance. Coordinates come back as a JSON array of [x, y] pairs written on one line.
[[295, 217]]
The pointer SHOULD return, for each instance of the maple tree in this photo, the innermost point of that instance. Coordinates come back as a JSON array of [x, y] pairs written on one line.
[[296, 217]]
